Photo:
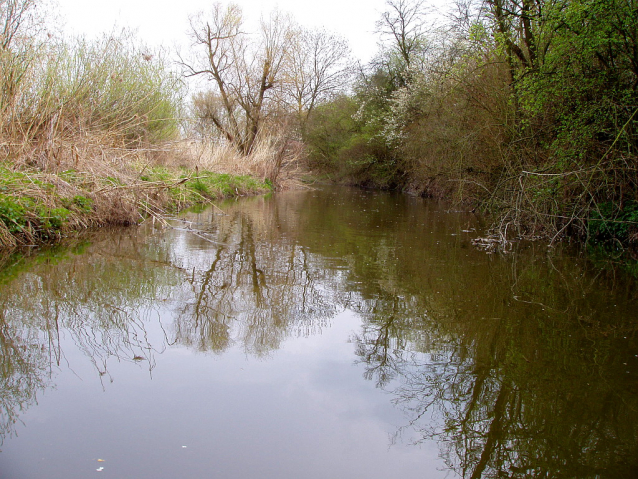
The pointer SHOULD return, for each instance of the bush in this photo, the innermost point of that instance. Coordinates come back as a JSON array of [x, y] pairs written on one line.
[[610, 222], [61, 97]]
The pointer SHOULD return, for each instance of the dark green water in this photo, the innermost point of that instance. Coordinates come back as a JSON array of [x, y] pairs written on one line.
[[315, 334]]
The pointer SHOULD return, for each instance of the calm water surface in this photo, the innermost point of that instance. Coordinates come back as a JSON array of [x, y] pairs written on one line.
[[315, 334]]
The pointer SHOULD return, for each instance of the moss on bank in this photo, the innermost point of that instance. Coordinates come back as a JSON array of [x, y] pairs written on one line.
[[38, 207]]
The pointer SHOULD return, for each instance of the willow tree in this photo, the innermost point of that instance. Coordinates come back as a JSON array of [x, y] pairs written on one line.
[[282, 72], [243, 69]]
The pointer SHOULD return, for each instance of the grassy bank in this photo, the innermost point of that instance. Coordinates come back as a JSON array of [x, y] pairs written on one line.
[[38, 206], [91, 135]]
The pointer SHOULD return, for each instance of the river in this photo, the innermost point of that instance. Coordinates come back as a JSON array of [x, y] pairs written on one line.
[[328, 333]]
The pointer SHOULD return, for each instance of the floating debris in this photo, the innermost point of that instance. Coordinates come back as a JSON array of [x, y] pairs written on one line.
[[491, 244]]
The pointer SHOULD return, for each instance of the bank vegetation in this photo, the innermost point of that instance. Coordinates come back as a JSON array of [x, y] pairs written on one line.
[[527, 110], [92, 133]]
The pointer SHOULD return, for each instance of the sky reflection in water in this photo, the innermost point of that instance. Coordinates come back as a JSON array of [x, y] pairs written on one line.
[[315, 334]]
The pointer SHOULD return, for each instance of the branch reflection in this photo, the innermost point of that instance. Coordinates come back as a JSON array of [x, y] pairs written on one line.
[[535, 380], [99, 297], [251, 288], [518, 366]]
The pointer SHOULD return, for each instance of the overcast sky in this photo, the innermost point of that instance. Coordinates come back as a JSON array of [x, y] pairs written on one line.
[[166, 21]]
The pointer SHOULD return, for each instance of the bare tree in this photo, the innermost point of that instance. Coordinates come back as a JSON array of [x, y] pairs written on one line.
[[319, 66], [404, 22], [262, 80], [243, 71]]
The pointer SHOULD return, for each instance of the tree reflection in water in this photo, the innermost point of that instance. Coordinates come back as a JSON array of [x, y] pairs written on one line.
[[252, 292], [238, 290], [539, 387], [99, 297], [518, 366]]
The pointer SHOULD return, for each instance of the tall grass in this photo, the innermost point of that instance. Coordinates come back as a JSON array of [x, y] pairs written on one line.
[[276, 157], [77, 119], [57, 95]]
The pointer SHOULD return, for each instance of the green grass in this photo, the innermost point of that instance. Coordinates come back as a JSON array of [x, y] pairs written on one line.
[[207, 186], [202, 186], [34, 209], [31, 207]]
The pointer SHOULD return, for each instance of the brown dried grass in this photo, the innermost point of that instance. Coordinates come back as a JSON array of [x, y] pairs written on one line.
[[275, 157]]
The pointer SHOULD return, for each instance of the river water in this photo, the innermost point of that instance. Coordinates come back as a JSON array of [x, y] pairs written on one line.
[[330, 333]]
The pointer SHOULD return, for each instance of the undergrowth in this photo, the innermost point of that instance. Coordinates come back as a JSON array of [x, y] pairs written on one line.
[[613, 222]]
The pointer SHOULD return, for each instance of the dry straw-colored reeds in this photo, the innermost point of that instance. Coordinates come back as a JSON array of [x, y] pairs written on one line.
[[77, 119], [92, 133]]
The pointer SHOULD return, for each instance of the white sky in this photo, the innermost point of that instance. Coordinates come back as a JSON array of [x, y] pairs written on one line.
[[165, 22]]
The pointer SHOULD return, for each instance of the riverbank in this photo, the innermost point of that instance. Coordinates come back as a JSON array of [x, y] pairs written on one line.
[[39, 206]]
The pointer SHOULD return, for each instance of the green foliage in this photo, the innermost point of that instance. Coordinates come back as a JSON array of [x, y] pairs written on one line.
[[78, 203], [611, 222], [16, 213], [53, 218], [157, 173], [571, 143], [328, 131], [587, 77], [83, 203], [12, 214], [211, 186], [418, 119], [344, 138], [367, 160], [199, 186]]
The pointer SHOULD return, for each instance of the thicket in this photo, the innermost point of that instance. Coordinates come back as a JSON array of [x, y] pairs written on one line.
[[527, 109], [60, 98]]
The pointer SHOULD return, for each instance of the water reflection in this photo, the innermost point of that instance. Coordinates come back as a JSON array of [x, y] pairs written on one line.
[[99, 295], [523, 365], [536, 379], [245, 287]]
